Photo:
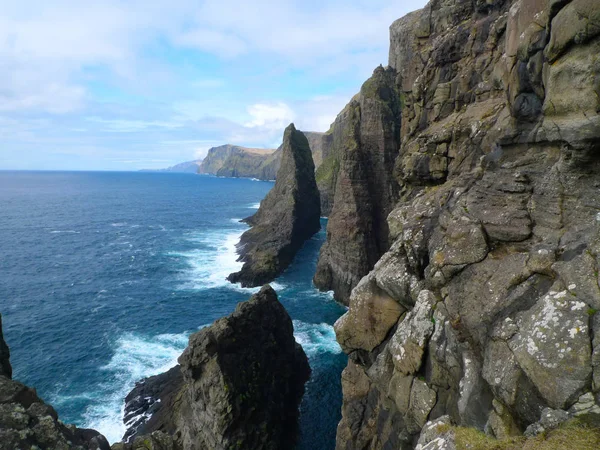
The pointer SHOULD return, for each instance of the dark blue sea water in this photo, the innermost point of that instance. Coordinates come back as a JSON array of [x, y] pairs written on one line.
[[103, 276]]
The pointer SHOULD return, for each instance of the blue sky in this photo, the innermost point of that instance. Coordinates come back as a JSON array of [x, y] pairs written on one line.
[[125, 85]]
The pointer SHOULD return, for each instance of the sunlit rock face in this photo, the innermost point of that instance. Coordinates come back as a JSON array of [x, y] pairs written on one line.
[[483, 308]]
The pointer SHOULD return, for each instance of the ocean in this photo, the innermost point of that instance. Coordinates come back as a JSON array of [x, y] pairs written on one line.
[[104, 275]]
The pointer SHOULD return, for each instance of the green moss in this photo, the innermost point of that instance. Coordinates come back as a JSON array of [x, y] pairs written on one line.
[[327, 170], [592, 311], [572, 435]]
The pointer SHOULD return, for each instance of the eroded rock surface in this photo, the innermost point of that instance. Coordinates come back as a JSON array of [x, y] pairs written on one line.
[[26, 421], [358, 174], [239, 384], [288, 216], [483, 309]]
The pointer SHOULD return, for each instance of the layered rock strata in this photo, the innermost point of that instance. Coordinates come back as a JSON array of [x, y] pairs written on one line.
[[288, 216], [26, 421], [358, 174], [263, 164], [484, 308], [239, 384], [234, 158]]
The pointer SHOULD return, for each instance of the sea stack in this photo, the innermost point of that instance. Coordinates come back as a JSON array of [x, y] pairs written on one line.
[[239, 384], [288, 216]]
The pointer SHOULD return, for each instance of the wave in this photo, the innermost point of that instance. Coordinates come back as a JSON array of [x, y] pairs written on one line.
[[135, 357], [65, 232], [316, 338], [254, 206], [209, 265]]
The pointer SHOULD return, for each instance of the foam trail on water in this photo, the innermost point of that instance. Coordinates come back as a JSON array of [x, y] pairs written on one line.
[[135, 357], [215, 258], [209, 265], [254, 206], [316, 338]]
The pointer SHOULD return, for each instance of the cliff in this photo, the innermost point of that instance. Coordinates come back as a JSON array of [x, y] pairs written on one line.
[[27, 422], [288, 216], [242, 162], [229, 157], [239, 384], [358, 173], [483, 310], [184, 167]]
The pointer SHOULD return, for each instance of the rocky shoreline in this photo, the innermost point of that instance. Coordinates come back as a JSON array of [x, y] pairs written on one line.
[[461, 185]]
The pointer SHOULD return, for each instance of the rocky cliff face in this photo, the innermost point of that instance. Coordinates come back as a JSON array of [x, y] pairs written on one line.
[[241, 162], [238, 385], [358, 173], [484, 307], [27, 422], [289, 214], [233, 159]]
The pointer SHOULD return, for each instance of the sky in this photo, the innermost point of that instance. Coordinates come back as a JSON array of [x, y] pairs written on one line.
[[133, 84]]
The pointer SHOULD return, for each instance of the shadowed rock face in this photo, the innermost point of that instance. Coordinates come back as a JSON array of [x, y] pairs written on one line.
[[5, 367], [484, 308], [27, 422], [238, 384], [288, 216], [360, 169]]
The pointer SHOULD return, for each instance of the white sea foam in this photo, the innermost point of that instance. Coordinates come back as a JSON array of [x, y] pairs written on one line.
[[209, 265], [135, 357], [254, 206], [316, 338], [65, 232]]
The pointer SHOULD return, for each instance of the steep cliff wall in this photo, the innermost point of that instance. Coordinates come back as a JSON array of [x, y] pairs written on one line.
[[358, 174], [229, 157], [484, 308], [239, 385], [263, 164], [288, 216]]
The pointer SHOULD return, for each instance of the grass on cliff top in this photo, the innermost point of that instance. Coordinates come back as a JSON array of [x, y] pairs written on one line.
[[572, 435]]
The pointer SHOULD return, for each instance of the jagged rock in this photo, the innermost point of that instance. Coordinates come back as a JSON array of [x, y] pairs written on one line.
[[496, 218], [365, 190], [373, 314], [553, 347], [550, 419], [5, 367], [148, 407], [289, 215], [501, 422], [435, 435], [154, 441], [263, 164], [27, 422], [237, 161], [410, 340], [238, 385]]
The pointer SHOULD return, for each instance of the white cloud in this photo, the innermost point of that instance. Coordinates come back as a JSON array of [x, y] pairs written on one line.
[[269, 116], [129, 126]]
